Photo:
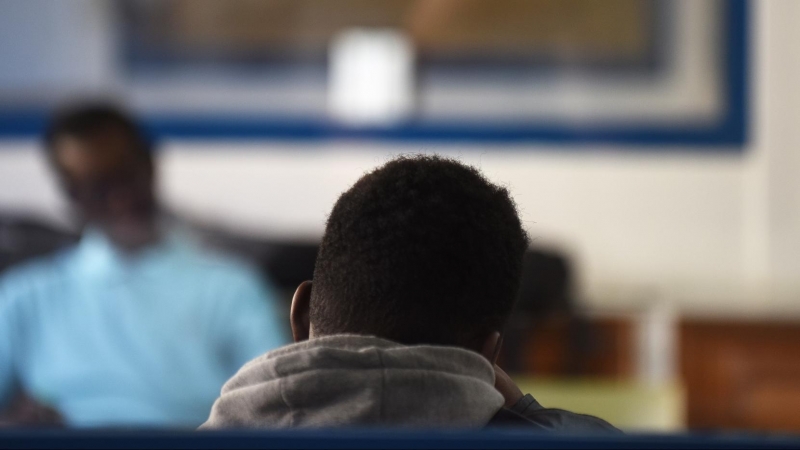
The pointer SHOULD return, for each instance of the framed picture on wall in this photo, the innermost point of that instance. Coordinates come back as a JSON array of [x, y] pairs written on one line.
[[620, 72]]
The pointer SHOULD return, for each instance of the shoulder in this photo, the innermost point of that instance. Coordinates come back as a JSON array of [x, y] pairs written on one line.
[[529, 414], [561, 420], [32, 287], [38, 275]]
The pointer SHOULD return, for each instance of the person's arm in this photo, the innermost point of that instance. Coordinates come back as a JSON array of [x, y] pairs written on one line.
[[547, 418], [16, 408], [8, 345], [507, 387]]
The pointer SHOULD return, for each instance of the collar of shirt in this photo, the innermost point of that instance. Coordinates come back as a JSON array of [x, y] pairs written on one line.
[[98, 258]]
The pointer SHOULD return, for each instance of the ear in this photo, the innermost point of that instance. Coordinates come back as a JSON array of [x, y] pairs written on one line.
[[298, 317], [491, 346]]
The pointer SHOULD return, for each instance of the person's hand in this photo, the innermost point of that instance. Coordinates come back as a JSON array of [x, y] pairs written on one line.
[[507, 387], [24, 411]]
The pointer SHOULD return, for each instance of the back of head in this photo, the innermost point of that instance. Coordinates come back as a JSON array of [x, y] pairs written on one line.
[[423, 250]]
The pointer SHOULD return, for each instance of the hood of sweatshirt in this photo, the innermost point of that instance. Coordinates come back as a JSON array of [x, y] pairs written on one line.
[[348, 380]]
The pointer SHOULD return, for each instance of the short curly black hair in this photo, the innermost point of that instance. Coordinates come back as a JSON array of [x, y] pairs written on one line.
[[423, 250]]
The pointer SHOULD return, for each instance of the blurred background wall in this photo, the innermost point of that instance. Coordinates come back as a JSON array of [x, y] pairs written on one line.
[[712, 230]]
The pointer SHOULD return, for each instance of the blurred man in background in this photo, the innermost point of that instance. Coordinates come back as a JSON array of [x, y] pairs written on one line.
[[136, 325]]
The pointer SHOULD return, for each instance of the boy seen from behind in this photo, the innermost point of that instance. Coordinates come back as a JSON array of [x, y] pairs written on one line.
[[416, 276]]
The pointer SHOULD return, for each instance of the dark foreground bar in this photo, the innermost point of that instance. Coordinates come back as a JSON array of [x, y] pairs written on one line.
[[363, 439]]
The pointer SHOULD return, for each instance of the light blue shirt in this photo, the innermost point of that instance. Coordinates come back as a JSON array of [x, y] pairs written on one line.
[[149, 340]]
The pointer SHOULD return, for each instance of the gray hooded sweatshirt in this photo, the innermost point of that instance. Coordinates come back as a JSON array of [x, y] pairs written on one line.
[[349, 380]]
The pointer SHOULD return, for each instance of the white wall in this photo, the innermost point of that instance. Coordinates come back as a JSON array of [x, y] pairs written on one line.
[[717, 233], [779, 161]]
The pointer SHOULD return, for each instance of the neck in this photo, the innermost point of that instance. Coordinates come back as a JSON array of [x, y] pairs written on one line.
[[133, 239]]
